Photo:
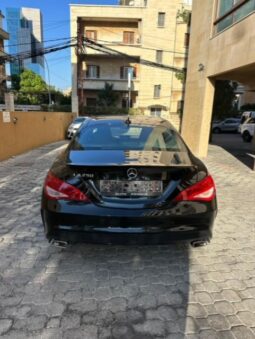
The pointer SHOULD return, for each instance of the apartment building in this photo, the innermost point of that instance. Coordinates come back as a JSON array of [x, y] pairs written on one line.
[[222, 47], [143, 29], [3, 36], [26, 34]]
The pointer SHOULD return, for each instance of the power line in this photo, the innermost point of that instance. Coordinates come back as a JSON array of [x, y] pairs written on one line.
[[38, 52], [100, 47], [141, 47], [40, 42]]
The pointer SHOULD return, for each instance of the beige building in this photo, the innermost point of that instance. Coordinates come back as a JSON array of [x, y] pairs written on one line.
[[144, 29], [3, 36], [222, 47]]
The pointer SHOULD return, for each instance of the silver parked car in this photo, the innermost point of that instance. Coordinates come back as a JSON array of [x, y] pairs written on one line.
[[227, 125], [75, 125]]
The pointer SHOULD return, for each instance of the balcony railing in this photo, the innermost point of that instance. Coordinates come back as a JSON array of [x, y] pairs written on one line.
[[237, 12], [118, 85]]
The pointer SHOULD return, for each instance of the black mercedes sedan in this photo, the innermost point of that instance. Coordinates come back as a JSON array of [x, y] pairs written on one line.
[[128, 180]]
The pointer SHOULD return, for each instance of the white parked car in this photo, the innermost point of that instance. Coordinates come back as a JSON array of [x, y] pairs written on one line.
[[75, 125], [246, 115], [248, 129], [227, 125]]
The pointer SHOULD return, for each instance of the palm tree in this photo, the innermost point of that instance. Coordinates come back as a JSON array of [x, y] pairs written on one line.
[[107, 97]]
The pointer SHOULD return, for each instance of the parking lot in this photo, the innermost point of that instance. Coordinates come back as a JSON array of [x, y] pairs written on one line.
[[92, 291]]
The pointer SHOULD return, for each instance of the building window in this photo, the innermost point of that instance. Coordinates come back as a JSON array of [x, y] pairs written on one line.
[[232, 11], [159, 56], [93, 72], [157, 90], [124, 72], [161, 19], [92, 35], [91, 102], [156, 111], [128, 38]]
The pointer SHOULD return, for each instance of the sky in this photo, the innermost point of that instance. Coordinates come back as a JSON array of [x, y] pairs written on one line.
[[56, 24]]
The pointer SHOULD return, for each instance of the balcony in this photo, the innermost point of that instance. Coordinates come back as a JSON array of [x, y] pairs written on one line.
[[4, 35], [134, 50], [118, 84]]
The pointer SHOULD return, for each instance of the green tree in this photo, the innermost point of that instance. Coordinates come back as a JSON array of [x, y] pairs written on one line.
[[32, 88], [181, 75], [15, 80], [107, 97], [223, 105]]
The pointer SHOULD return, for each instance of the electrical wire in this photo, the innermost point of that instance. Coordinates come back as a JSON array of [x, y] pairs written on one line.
[[115, 43], [93, 45], [40, 42]]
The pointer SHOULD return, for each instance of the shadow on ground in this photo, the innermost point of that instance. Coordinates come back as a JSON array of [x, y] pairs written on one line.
[[234, 144]]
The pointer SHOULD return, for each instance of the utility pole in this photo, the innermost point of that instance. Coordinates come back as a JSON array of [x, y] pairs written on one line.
[[49, 91], [130, 75]]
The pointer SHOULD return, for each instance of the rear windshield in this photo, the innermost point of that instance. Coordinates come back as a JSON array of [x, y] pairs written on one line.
[[79, 120], [120, 136]]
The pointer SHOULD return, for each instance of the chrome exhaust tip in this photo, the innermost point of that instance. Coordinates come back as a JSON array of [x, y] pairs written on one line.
[[59, 243], [199, 243]]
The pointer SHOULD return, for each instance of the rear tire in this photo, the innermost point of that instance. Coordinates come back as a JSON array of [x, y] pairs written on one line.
[[216, 130], [246, 136]]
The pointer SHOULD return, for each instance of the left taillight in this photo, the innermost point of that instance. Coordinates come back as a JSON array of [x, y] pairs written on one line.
[[203, 190], [57, 189]]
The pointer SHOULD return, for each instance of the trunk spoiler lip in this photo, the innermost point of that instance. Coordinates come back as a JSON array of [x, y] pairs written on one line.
[[130, 165]]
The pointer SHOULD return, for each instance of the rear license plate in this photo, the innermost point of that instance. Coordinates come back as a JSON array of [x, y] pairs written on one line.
[[123, 188]]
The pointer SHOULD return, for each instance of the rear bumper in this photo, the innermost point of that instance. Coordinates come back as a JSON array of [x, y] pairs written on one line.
[[138, 229]]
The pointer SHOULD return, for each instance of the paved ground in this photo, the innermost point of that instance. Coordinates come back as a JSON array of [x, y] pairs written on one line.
[[89, 291], [234, 144]]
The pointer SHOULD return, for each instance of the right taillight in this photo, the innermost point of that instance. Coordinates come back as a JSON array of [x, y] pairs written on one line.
[[57, 189], [203, 190]]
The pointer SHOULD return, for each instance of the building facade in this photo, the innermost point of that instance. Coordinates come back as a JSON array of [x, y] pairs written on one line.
[[26, 35], [148, 31], [3, 36], [222, 47]]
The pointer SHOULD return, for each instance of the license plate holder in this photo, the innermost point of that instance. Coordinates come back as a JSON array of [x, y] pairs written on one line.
[[131, 188]]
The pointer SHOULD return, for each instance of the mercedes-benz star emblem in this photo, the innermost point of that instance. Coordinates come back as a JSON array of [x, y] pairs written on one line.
[[132, 173]]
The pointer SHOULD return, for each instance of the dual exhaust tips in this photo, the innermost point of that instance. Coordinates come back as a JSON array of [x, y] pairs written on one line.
[[65, 244]]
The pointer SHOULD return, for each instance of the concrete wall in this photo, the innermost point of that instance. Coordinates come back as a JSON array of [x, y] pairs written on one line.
[[228, 55], [31, 130]]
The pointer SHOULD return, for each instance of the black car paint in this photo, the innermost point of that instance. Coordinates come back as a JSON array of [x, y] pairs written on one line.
[[129, 220]]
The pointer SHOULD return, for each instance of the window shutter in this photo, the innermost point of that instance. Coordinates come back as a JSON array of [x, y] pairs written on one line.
[[88, 34], [125, 37], [132, 38], [98, 72]]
